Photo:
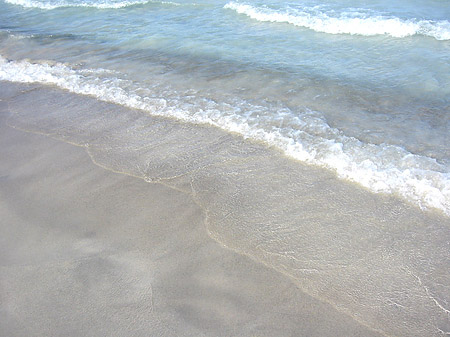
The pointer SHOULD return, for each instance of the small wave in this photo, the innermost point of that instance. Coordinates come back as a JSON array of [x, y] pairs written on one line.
[[347, 23], [97, 4], [308, 138]]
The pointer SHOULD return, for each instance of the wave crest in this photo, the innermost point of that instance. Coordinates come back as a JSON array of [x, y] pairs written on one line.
[[347, 24], [103, 4], [380, 168]]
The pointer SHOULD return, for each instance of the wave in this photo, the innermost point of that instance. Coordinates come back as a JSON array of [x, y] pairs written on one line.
[[103, 4], [307, 138], [346, 23]]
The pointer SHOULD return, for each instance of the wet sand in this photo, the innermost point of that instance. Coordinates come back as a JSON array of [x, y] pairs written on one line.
[[85, 251], [148, 226]]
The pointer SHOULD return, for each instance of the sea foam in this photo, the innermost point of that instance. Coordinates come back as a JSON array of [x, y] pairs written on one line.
[[380, 168], [103, 4], [346, 22]]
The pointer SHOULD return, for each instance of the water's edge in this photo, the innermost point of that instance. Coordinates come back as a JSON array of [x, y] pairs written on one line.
[[374, 257], [382, 168]]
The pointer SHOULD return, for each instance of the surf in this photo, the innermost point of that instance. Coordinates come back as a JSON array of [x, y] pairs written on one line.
[[381, 168], [103, 4], [350, 22]]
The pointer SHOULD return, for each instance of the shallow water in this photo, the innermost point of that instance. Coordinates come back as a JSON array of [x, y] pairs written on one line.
[[360, 89], [354, 90], [357, 90], [376, 258]]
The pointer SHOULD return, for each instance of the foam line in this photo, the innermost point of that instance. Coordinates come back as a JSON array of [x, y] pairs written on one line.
[[346, 23], [103, 4], [380, 168]]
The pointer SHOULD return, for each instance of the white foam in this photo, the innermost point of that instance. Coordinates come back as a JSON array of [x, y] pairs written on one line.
[[308, 138], [346, 23], [103, 4]]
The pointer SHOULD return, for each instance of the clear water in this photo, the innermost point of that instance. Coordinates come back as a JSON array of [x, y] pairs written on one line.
[[358, 87]]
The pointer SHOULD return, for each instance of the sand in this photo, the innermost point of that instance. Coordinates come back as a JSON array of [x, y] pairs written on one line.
[[117, 222], [85, 251]]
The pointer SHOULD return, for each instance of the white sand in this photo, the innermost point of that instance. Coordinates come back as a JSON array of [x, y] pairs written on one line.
[[88, 252]]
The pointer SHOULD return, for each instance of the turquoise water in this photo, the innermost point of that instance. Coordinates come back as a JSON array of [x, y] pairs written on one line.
[[360, 88]]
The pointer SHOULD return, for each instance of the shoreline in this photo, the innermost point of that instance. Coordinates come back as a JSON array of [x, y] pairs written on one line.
[[390, 168], [231, 178], [80, 256]]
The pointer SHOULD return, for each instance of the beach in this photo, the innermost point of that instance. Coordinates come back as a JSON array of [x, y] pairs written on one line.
[[115, 222], [224, 168], [89, 252]]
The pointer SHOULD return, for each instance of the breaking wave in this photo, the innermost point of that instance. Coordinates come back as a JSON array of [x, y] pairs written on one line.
[[102, 4], [353, 23], [308, 138]]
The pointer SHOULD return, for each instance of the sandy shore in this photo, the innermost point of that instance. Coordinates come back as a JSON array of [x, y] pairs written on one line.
[[88, 252]]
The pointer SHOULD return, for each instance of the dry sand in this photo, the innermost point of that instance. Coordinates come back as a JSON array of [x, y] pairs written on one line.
[[88, 252]]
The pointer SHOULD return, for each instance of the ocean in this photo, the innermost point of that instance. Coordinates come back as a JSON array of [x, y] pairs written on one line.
[[358, 90]]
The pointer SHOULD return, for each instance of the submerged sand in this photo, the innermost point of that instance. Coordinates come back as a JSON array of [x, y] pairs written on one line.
[[201, 233], [89, 252]]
